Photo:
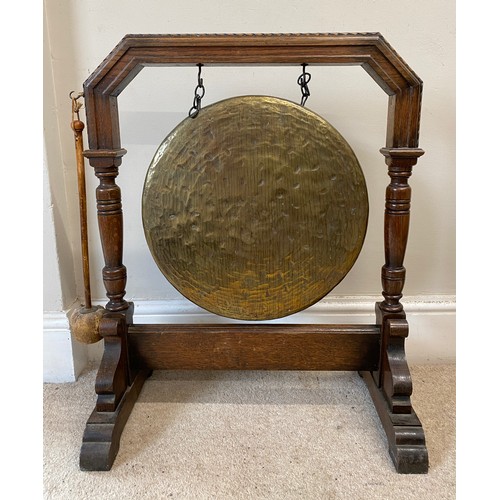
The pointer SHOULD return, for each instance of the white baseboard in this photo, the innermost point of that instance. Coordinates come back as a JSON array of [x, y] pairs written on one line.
[[432, 328], [63, 357]]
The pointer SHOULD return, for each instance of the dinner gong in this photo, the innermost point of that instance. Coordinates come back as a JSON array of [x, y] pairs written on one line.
[[254, 209]]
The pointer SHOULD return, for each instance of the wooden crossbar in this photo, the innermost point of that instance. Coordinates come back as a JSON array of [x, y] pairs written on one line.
[[254, 347]]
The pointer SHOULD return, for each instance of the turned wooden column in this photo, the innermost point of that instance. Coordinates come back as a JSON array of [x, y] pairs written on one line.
[[110, 220], [396, 224]]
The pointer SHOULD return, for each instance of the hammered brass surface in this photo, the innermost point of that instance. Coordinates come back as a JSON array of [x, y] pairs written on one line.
[[255, 209]]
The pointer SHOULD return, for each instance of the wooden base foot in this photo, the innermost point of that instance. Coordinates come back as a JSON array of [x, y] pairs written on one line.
[[404, 431], [101, 439]]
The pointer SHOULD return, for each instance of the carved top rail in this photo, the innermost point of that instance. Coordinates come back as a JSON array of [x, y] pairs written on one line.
[[369, 50]]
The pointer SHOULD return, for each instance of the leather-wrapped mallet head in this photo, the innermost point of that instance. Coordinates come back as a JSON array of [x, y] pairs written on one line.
[[84, 324]]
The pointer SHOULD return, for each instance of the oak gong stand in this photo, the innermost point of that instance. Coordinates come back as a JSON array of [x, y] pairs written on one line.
[[132, 351]]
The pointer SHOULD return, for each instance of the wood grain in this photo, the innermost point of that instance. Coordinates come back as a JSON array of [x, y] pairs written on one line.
[[254, 347]]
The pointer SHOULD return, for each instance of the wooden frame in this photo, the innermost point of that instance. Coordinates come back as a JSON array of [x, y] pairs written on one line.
[[131, 351]]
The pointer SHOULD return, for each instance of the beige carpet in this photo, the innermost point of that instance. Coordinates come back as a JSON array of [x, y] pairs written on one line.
[[251, 435]]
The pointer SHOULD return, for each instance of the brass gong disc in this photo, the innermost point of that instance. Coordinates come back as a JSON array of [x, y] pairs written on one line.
[[255, 209]]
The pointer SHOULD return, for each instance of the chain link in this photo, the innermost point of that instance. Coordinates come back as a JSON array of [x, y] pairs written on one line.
[[199, 92], [303, 80]]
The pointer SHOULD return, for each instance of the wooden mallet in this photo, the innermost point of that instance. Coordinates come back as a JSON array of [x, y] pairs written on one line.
[[84, 322]]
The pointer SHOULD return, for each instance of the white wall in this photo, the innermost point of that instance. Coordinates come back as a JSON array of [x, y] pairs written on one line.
[[80, 36]]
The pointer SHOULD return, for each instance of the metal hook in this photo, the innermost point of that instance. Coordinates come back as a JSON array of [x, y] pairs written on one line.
[[78, 95], [200, 79], [75, 108]]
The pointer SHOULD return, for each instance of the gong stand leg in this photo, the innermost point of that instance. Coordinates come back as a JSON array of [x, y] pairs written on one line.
[[117, 389], [117, 386], [391, 385]]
